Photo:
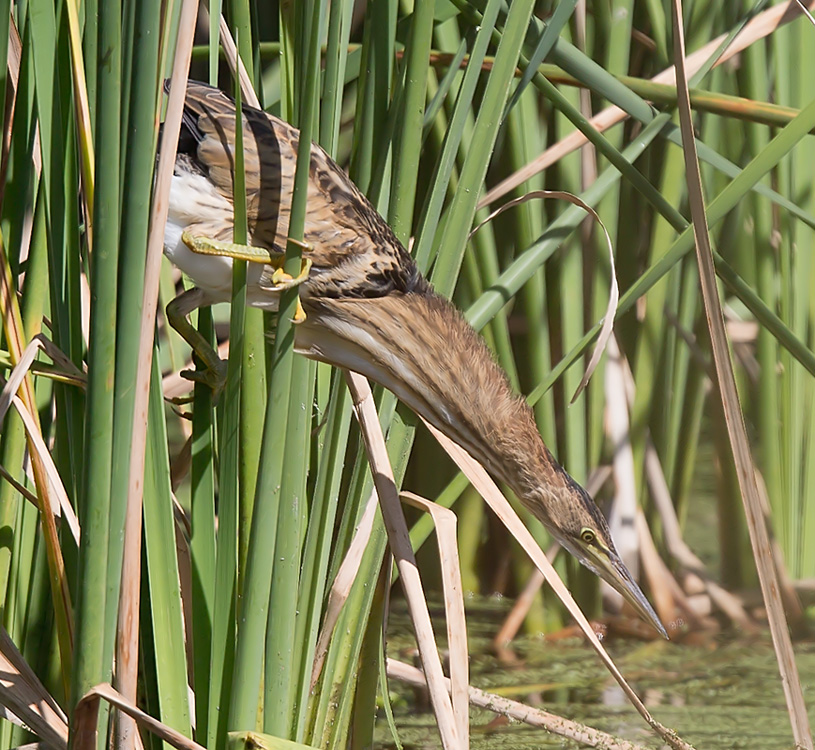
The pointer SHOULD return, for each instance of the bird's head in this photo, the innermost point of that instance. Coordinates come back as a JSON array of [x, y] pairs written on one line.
[[574, 519]]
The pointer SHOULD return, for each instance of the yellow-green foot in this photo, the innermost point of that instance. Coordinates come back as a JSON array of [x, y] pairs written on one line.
[[282, 280], [212, 375]]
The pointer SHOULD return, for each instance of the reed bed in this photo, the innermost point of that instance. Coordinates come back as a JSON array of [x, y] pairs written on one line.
[[159, 541]]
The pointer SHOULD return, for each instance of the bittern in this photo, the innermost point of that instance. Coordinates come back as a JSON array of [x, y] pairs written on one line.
[[367, 308]]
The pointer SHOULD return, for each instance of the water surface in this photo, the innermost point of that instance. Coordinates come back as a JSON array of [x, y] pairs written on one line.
[[725, 693]]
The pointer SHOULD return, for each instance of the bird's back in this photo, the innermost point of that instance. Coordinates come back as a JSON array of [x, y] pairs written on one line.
[[353, 251]]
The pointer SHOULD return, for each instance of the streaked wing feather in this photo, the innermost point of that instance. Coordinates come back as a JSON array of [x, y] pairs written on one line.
[[353, 250]]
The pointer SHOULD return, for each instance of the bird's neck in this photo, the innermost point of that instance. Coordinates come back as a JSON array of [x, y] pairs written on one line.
[[421, 348]]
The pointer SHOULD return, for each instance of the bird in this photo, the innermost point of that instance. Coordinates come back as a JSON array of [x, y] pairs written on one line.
[[366, 308]]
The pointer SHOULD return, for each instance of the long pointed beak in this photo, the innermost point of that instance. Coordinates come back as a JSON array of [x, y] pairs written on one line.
[[613, 571]]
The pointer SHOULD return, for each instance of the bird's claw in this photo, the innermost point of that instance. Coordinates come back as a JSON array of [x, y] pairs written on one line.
[[282, 280], [212, 375], [299, 313], [303, 245]]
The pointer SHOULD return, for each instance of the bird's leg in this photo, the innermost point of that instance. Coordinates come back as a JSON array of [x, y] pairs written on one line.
[[280, 278], [214, 372], [250, 253]]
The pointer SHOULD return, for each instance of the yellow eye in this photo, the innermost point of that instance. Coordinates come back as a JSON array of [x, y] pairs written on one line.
[[588, 536]]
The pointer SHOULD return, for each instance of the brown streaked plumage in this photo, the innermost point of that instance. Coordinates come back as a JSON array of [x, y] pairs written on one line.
[[355, 253], [369, 309]]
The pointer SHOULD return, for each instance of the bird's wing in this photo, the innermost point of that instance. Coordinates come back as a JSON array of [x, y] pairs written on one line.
[[353, 251]]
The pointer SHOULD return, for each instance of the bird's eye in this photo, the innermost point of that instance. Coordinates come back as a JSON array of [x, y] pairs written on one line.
[[588, 536]]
